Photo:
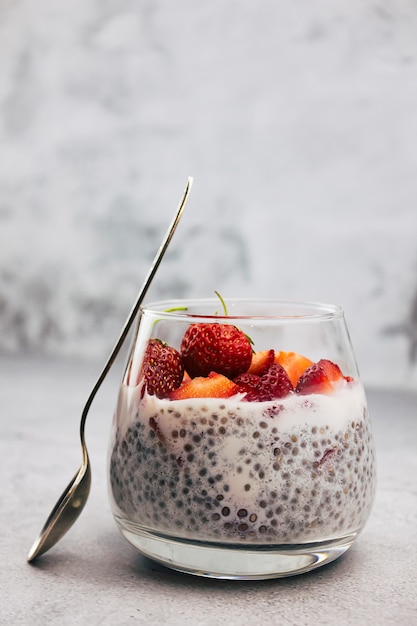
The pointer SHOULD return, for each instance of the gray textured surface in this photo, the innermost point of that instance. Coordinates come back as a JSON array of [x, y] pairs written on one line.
[[93, 576]]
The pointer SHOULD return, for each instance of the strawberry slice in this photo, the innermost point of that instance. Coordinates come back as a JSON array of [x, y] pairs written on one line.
[[293, 363], [162, 369], [212, 386], [332, 370], [248, 384], [261, 362], [272, 385], [215, 347], [319, 377]]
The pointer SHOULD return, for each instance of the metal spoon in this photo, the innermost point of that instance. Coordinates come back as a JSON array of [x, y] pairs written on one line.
[[73, 499]]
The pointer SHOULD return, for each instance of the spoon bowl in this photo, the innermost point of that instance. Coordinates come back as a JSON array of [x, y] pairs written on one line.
[[74, 497], [65, 512]]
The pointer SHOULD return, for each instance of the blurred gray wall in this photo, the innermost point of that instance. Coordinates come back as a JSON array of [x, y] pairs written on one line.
[[297, 119]]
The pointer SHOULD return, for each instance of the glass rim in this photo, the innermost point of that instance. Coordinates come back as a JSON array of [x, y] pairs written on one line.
[[176, 309]]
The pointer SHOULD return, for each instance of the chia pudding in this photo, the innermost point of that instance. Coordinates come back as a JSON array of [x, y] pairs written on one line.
[[294, 470]]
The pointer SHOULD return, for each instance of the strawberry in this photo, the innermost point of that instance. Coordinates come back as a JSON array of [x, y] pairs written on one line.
[[248, 384], [293, 363], [215, 347], [212, 386], [162, 368], [273, 384], [332, 370], [319, 377], [261, 362]]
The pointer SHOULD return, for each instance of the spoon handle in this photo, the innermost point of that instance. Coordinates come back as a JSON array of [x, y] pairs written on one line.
[[135, 307]]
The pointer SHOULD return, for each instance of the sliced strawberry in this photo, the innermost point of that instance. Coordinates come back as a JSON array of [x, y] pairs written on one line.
[[314, 380], [293, 363], [248, 384], [332, 370], [319, 377], [215, 347], [261, 362], [273, 384], [212, 386], [162, 368]]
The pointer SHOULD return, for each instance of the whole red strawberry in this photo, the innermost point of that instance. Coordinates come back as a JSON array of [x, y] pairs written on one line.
[[162, 368], [215, 347]]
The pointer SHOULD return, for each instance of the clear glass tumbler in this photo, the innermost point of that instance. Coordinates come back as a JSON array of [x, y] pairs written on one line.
[[242, 463]]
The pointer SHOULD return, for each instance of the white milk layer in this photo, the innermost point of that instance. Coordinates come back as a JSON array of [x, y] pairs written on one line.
[[335, 409]]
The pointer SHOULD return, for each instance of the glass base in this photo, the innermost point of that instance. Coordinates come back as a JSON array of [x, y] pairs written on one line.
[[234, 561]]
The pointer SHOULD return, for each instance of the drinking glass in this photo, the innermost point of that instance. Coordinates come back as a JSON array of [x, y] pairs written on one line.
[[243, 487]]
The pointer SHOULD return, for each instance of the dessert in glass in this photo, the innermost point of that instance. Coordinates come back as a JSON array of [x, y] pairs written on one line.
[[241, 444]]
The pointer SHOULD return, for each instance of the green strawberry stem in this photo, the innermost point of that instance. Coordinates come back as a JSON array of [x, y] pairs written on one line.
[[172, 310], [223, 303], [252, 343], [176, 308]]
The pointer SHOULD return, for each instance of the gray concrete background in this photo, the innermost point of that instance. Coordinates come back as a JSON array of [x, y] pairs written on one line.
[[297, 120]]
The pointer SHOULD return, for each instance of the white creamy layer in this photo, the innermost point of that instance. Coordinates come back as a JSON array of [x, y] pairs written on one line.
[[335, 409]]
